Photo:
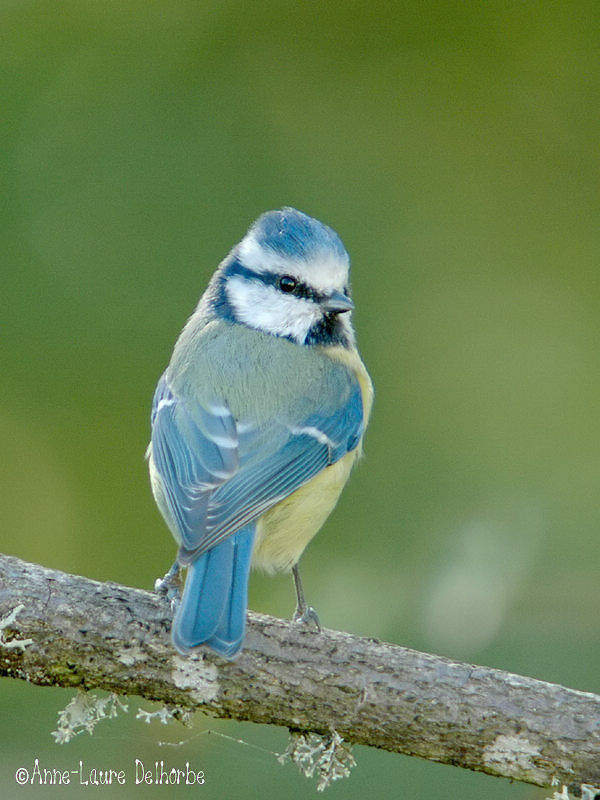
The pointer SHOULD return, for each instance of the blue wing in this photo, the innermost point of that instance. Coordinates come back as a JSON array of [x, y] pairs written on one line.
[[219, 474]]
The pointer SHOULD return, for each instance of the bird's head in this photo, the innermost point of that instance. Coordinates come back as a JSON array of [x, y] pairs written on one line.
[[287, 277]]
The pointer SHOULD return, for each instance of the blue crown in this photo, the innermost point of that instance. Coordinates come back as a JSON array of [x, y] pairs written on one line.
[[292, 234]]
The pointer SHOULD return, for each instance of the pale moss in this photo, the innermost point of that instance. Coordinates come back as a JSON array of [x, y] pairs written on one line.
[[84, 712], [7, 622], [327, 757], [585, 791], [165, 715]]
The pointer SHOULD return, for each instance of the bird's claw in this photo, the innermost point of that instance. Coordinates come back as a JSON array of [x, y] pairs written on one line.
[[306, 616], [169, 586]]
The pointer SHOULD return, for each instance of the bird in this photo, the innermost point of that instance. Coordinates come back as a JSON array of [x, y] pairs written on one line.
[[257, 422]]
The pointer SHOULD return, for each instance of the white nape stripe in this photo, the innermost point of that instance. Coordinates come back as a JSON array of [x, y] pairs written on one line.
[[324, 273], [310, 430], [267, 309]]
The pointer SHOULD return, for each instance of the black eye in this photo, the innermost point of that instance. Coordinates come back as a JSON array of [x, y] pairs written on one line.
[[287, 284]]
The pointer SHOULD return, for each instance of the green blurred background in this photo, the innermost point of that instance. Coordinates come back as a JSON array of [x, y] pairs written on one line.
[[454, 147]]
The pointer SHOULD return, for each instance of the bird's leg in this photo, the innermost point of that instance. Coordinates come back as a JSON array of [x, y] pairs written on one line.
[[170, 584], [303, 613]]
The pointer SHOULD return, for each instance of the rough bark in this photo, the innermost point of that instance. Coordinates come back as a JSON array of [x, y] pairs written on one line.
[[102, 635]]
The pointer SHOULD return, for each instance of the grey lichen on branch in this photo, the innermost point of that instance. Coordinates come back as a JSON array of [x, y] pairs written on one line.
[[88, 635]]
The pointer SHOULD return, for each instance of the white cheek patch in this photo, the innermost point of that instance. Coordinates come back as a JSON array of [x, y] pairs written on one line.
[[267, 309], [324, 273]]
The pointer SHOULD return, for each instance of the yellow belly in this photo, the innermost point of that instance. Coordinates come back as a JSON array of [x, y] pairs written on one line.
[[283, 532]]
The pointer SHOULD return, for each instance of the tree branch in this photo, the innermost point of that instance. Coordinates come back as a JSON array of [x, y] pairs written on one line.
[[102, 635]]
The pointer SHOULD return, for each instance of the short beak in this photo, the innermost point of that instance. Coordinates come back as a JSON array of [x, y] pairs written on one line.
[[337, 303]]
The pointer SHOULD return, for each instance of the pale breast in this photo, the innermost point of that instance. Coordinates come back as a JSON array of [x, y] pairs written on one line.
[[283, 532]]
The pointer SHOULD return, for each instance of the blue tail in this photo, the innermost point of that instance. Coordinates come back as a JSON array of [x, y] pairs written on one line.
[[213, 607]]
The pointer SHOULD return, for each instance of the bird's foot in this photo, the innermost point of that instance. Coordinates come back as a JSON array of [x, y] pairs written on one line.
[[170, 585], [304, 613], [306, 616]]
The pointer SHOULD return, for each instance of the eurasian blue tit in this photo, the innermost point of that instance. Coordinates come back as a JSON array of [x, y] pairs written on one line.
[[257, 421]]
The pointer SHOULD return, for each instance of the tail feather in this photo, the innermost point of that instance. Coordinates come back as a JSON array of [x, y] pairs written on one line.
[[229, 635], [213, 607]]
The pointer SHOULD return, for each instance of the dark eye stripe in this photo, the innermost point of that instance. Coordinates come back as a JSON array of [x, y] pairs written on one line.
[[306, 292], [291, 285], [272, 279]]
